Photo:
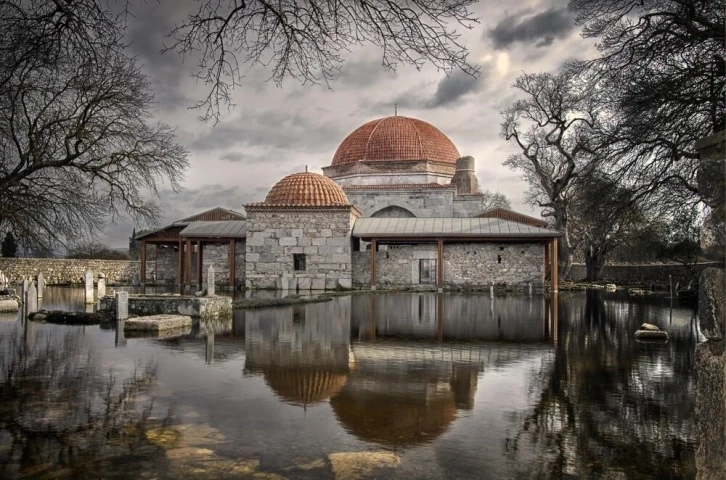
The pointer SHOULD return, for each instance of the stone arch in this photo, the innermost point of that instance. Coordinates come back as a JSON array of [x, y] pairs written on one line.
[[393, 211]]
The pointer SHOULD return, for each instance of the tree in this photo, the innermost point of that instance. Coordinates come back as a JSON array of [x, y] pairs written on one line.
[[133, 246], [492, 200], [662, 65], [94, 250], [551, 127], [304, 40], [602, 214], [682, 244], [9, 246], [76, 144]]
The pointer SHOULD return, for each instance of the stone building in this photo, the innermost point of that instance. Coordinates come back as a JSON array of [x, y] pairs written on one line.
[[397, 207]]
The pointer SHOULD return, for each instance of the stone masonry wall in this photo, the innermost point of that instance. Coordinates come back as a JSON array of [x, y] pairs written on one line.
[[420, 202], [164, 268], [61, 271], [643, 274], [465, 265], [322, 236]]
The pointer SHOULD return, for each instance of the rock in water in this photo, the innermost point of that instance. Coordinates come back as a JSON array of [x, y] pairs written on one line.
[[650, 327], [651, 335]]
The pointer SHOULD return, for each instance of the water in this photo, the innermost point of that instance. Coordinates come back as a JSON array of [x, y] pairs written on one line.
[[384, 386]]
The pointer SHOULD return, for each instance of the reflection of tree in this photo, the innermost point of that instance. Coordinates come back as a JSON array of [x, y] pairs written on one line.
[[61, 415], [608, 405]]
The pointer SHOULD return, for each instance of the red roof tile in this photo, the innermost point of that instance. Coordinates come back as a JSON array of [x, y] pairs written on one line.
[[308, 189], [394, 139]]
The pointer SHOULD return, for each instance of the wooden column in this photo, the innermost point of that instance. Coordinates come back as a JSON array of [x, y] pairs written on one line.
[[232, 262], [180, 264], [188, 267], [555, 316], [374, 246], [440, 264], [142, 259], [200, 261], [440, 317], [555, 272], [546, 260]]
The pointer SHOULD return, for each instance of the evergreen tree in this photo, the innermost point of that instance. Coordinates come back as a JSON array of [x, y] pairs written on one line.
[[10, 246], [133, 246]]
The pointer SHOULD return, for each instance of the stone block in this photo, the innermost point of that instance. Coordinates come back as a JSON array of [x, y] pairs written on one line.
[[310, 250], [318, 241], [304, 283], [297, 232], [304, 242], [712, 303], [345, 283], [288, 241], [318, 284], [157, 323], [326, 232], [255, 240]]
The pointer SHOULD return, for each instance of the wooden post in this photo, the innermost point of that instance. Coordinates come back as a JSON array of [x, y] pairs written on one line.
[[189, 263], [440, 317], [232, 262], [555, 267], [555, 316], [440, 265], [180, 264], [142, 266], [374, 246], [200, 248], [546, 260]]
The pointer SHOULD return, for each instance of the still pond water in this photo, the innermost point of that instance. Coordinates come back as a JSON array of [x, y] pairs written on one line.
[[385, 386]]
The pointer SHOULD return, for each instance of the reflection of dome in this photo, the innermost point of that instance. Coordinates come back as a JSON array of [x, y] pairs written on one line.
[[303, 387], [396, 139], [391, 420], [306, 189]]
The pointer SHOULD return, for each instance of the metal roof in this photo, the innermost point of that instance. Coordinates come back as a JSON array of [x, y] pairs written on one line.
[[446, 227], [224, 228]]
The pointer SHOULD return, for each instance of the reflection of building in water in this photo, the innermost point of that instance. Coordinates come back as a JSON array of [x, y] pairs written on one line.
[[428, 315], [303, 352]]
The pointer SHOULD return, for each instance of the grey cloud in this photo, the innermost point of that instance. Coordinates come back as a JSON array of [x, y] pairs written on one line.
[[272, 129], [233, 157], [453, 87], [542, 28]]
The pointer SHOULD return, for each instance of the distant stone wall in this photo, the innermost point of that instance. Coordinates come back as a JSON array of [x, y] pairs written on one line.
[[61, 271], [465, 265], [322, 236], [643, 274]]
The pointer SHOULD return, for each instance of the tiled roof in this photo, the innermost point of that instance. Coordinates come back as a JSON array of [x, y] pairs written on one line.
[[394, 139], [397, 186], [308, 189]]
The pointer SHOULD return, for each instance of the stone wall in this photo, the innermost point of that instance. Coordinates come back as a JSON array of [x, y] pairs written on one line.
[[163, 268], [323, 236], [642, 274], [422, 202], [61, 271], [465, 265]]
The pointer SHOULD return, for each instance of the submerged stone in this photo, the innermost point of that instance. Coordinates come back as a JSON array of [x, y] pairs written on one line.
[[650, 327], [69, 318], [9, 305], [651, 335], [354, 465], [157, 323]]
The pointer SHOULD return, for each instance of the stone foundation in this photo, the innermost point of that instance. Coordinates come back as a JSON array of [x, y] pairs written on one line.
[[197, 307]]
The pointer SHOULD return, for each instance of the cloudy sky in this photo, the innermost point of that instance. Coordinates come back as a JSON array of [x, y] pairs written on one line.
[[274, 131]]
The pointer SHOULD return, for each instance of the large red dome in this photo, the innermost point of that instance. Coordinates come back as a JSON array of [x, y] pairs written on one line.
[[396, 139]]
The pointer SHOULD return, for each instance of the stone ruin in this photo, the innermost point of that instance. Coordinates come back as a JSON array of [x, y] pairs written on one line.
[[710, 358]]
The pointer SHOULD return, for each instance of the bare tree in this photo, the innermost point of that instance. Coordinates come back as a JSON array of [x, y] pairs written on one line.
[[552, 126], [662, 64], [492, 200], [304, 40], [76, 143]]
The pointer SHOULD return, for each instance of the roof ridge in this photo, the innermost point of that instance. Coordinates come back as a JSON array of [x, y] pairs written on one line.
[[368, 141], [420, 143]]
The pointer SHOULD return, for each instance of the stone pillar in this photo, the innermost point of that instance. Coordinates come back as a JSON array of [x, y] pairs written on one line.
[[120, 337], [101, 285], [88, 279], [710, 358], [122, 305], [31, 299], [41, 284], [210, 281]]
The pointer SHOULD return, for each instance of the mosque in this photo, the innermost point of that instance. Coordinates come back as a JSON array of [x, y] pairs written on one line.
[[398, 207]]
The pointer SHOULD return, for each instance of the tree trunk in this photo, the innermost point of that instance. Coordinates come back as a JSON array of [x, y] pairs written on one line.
[[565, 252]]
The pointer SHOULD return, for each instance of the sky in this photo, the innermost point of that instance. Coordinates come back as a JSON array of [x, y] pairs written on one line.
[[274, 131]]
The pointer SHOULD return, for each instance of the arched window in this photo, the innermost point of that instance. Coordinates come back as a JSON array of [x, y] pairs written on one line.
[[393, 212]]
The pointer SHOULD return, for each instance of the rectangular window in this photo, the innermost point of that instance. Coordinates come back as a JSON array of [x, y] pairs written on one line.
[[298, 259], [427, 271]]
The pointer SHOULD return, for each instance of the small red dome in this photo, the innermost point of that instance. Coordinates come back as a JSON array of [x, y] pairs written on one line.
[[306, 189], [396, 139]]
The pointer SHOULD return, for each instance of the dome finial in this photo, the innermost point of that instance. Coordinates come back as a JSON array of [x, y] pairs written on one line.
[[395, 109], [306, 168]]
